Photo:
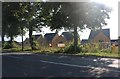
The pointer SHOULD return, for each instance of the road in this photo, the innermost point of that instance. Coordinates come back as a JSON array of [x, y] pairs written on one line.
[[43, 65]]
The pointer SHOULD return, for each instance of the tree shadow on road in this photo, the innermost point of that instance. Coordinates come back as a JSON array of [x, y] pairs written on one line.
[[89, 66]]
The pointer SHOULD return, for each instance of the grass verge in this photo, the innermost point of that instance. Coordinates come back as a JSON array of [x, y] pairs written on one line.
[[100, 54], [54, 50]]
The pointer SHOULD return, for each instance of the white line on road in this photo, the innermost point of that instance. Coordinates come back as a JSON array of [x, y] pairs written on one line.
[[65, 64], [98, 68]]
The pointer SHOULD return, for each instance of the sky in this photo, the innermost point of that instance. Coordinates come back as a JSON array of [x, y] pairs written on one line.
[[112, 23]]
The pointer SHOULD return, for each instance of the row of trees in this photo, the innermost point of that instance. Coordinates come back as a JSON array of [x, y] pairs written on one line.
[[57, 15]]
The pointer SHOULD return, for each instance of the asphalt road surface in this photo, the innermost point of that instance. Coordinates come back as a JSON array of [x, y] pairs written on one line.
[[43, 65]]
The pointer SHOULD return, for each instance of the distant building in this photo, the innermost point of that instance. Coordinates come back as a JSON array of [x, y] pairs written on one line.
[[50, 37], [84, 41], [36, 38], [68, 36], [102, 35], [60, 41], [114, 42]]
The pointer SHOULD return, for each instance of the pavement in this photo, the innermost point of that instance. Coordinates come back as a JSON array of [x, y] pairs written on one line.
[[44, 65]]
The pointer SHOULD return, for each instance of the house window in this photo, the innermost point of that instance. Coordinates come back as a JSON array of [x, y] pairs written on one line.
[[61, 44]]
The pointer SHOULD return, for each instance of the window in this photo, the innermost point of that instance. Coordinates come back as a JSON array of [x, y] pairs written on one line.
[[61, 45]]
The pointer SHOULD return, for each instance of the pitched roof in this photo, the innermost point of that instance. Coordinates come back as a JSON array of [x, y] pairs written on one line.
[[84, 41], [93, 33], [114, 41], [37, 36], [68, 35], [49, 36]]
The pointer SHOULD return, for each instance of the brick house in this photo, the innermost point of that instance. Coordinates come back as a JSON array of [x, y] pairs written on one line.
[[50, 39], [68, 36], [101, 36], [60, 42], [37, 38], [54, 40]]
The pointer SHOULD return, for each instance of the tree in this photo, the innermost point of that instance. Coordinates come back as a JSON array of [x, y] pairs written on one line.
[[21, 16], [74, 15], [10, 21], [24, 15], [31, 13]]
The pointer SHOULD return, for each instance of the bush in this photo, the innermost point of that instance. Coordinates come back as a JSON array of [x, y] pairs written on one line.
[[70, 49], [59, 50], [105, 50], [35, 45], [95, 47], [7, 45]]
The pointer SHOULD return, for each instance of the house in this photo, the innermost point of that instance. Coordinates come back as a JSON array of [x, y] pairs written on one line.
[[68, 36], [26, 42], [114, 42], [60, 42], [36, 38], [54, 40], [50, 39], [101, 36], [84, 41]]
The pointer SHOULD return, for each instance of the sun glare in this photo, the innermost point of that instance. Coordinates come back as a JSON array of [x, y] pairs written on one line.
[[106, 2]]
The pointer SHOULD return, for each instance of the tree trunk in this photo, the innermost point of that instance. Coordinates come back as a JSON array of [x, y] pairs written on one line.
[[31, 38], [3, 39], [22, 37], [11, 39], [75, 38]]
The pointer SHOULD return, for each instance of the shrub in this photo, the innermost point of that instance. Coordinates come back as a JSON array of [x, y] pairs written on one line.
[[105, 50], [70, 49], [95, 47], [7, 45], [35, 45]]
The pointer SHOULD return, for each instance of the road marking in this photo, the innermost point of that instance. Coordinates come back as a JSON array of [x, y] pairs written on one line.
[[65, 64], [72, 65]]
